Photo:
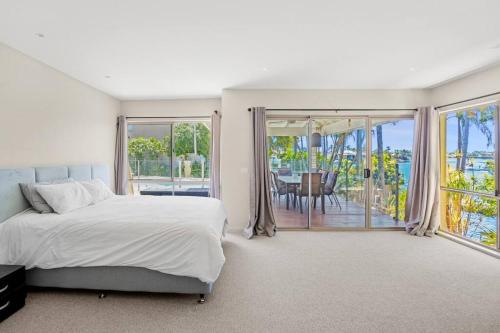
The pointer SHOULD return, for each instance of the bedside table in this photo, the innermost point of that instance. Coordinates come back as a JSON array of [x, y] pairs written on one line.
[[12, 289]]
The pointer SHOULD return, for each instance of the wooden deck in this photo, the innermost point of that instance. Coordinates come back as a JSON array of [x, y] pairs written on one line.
[[351, 215]]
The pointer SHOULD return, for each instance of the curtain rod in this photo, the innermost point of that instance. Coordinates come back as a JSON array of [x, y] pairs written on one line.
[[468, 100], [185, 117], [337, 110], [193, 117]]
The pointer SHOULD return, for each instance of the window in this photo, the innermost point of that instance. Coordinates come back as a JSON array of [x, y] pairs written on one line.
[[469, 173], [170, 158]]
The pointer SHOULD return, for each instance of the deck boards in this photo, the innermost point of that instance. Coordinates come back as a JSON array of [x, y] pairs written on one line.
[[352, 215]]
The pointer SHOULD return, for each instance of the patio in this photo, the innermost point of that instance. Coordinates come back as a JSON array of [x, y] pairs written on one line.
[[352, 215]]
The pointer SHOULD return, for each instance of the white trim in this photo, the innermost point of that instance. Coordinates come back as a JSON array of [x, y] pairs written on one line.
[[469, 244]]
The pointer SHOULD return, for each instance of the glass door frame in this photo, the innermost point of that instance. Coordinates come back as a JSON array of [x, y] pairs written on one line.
[[368, 165], [306, 118], [154, 122]]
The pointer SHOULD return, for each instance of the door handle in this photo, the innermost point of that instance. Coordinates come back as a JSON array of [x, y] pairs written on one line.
[[366, 173]]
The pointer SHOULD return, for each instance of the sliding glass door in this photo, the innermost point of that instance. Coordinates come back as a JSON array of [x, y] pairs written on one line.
[[169, 157], [191, 142], [288, 151], [338, 154], [150, 157], [391, 153], [326, 174]]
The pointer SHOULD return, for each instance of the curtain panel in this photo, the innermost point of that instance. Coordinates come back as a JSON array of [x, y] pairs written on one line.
[[121, 157], [215, 156], [261, 221], [422, 200]]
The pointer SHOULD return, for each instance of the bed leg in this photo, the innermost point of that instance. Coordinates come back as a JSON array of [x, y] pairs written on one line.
[[101, 295], [202, 299]]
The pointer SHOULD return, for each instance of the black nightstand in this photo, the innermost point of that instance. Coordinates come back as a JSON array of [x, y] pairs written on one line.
[[12, 289]]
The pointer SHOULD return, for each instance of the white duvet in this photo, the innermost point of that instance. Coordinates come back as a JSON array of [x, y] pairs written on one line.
[[174, 235]]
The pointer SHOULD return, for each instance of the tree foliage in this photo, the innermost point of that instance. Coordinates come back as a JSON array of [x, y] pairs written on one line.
[[184, 139], [150, 156], [141, 148], [466, 214]]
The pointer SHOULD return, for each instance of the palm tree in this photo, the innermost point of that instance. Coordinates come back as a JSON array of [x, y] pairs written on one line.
[[360, 137], [464, 120], [380, 154]]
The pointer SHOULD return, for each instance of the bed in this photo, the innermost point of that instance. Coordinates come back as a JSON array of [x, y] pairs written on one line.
[[146, 244]]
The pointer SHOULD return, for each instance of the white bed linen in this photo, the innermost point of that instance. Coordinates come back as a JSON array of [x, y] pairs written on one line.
[[174, 235]]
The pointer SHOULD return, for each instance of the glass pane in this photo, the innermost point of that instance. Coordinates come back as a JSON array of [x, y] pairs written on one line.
[[149, 158], [471, 217], [192, 158], [469, 159], [392, 141], [339, 155], [288, 158]]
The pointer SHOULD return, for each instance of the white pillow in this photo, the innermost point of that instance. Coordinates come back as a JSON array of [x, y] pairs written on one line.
[[34, 198], [98, 190], [66, 197]]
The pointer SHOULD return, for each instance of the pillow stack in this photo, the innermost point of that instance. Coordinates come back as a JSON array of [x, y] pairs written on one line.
[[65, 195], [98, 190], [35, 199]]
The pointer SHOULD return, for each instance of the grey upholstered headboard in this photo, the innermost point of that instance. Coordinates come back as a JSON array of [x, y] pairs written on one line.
[[11, 198]]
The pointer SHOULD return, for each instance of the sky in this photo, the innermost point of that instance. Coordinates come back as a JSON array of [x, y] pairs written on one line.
[[477, 140], [397, 135]]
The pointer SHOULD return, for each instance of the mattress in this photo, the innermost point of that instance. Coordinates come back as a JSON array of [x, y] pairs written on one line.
[[174, 235]]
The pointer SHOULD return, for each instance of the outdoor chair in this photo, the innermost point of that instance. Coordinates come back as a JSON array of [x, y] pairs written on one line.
[[329, 188], [280, 187], [303, 190]]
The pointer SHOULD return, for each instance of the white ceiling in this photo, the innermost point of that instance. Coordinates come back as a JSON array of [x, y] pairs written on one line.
[[174, 49]]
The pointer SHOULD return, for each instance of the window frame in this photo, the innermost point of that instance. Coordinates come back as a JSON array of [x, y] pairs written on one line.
[[172, 121], [496, 158]]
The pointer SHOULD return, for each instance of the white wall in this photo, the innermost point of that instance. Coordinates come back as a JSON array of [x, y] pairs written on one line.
[[171, 108], [235, 141], [48, 118], [477, 84]]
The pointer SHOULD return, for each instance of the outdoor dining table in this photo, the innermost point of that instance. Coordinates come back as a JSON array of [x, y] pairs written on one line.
[[297, 180]]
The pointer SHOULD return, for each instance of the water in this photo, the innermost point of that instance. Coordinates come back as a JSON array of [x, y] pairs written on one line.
[[404, 171], [478, 170]]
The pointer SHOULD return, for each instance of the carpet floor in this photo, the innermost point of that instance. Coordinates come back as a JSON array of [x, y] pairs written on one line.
[[301, 282]]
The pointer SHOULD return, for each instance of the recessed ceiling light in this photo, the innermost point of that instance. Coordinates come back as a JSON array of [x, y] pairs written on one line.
[[265, 69], [412, 69], [38, 34]]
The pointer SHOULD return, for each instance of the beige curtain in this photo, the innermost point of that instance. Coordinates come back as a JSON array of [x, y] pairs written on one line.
[[422, 200], [262, 221], [215, 156], [121, 158]]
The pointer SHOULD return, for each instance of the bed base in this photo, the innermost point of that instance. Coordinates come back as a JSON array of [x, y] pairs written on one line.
[[107, 278]]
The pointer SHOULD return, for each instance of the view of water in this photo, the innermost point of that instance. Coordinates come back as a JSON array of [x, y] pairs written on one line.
[[404, 171], [481, 223], [477, 169]]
